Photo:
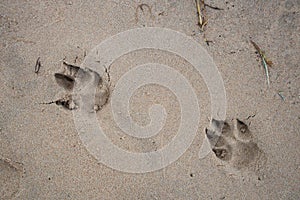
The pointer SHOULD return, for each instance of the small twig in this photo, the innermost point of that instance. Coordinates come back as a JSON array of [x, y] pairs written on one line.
[[212, 7], [250, 116], [51, 102], [199, 12], [264, 59], [202, 21], [201, 5], [266, 70], [65, 102], [37, 66], [161, 13], [207, 41], [23, 40], [142, 9], [70, 65], [281, 95], [262, 54]]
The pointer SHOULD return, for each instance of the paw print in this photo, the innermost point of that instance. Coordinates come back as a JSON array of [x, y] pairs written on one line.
[[83, 78], [233, 144]]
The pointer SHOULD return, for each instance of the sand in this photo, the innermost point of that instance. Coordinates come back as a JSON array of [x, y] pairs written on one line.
[[42, 155]]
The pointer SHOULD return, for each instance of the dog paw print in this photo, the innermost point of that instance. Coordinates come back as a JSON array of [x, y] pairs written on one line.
[[233, 144], [73, 76]]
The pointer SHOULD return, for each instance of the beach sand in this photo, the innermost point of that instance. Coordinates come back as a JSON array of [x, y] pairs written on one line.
[[42, 155]]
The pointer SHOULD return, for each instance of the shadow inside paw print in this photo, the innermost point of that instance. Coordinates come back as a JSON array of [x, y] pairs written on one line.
[[233, 144], [83, 79]]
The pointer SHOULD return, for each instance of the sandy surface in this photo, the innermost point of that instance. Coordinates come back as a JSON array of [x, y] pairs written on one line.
[[42, 156]]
